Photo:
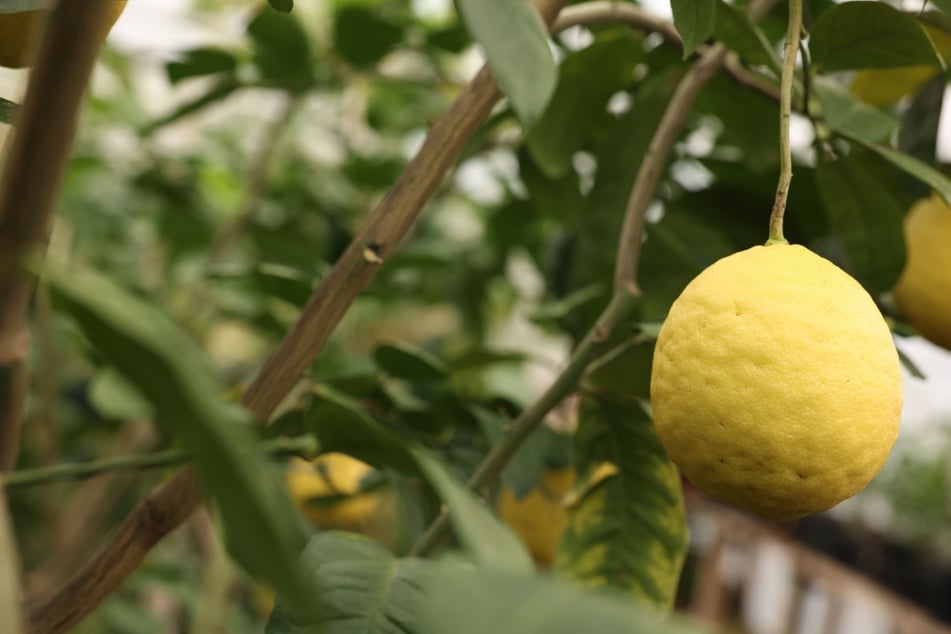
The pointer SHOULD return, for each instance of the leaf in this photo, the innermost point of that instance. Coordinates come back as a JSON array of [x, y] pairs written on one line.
[[856, 35], [516, 47], [114, 397], [362, 35], [19, 6], [282, 51], [491, 544], [844, 113], [694, 20], [586, 81], [918, 133], [629, 529], [866, 217], [465, 601], [735, 29], [264, 532], [199, 62], [284, 6], [411, 363], [8, 110], [355, 585], [923, 172]]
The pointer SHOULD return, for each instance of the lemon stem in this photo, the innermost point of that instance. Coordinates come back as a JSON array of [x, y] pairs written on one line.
[[790, 52]]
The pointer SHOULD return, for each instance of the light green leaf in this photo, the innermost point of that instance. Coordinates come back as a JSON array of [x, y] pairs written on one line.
[[922, 171], [694, 20], [264, 532], [516, 46], [465, 601], [114, 397], [844, 113], [627, 529], [735, 29], [865, 216], [587, 79], [856, 35], [356, 586]]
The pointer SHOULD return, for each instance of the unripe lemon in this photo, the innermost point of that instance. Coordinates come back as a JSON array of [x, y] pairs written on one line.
[[776, 385], [923, 292], [17, 30], [539, 518]]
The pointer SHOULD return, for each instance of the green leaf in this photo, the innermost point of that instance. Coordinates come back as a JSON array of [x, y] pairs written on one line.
[[199, 62], [356, 585], [264, 532], [19, 6], [282, 51], [695, 20], [735, 29], [464, 601], [922, 171], [114, 397], [866, 217], [586, 81], [918, 133], [284, 6], [405, 361], [628, 529], [856, 35], [8, 110], [484, 536], [516, 46], [844, 113], [362, 35]]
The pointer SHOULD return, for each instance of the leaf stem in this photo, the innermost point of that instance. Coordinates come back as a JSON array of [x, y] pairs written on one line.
[[282, 446], [790, 52]]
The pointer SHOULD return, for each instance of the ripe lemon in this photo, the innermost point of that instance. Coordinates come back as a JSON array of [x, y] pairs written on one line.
[[539, 518], [923, 292], [328, 492], [17, 30], [776, 384]]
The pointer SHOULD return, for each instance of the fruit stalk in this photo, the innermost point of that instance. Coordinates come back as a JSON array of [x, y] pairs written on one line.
[[790, 53]]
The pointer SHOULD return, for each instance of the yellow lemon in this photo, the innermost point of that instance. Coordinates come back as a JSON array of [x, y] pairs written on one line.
[[17, 30], [776, 385], [328, 492], [539, 518], [923, 292]]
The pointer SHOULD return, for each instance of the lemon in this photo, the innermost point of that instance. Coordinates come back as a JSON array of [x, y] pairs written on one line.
[[776, 384], [328, 491], [923, 292], [17, 29], [539, 518]]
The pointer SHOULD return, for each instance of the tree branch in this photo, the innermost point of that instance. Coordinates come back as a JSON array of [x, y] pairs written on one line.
[[10, 606], [171, 503], [29, 185], [625, 287]]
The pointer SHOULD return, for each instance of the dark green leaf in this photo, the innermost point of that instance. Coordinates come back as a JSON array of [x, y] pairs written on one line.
[[628, 529], [856, 35], [408, 362], [8, 110], [355, 585], [844, 113], [866, 217], [199, 62], [918, 133], [282, 51], [263, 530], [694, 20], [735, 29], [362, 35], [923, 172], [587, 79], [516, 45], [218, 92], [284, 6], [465, 601]]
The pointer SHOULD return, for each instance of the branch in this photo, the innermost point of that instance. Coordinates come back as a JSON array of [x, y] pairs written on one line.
[[626, 291], [29, 185], [170, 504], [9, 573]]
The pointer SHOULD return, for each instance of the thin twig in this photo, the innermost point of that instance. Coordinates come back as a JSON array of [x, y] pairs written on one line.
[[790, 52], [171, 503], [283, 446], [29, 185], [625, 288]]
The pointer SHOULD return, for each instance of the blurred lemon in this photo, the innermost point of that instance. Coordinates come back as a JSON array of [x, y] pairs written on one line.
[[17, 29], [539, 518], [923, 292]]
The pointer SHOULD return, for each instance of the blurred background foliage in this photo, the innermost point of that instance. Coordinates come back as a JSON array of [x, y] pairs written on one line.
[[224, 187]]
